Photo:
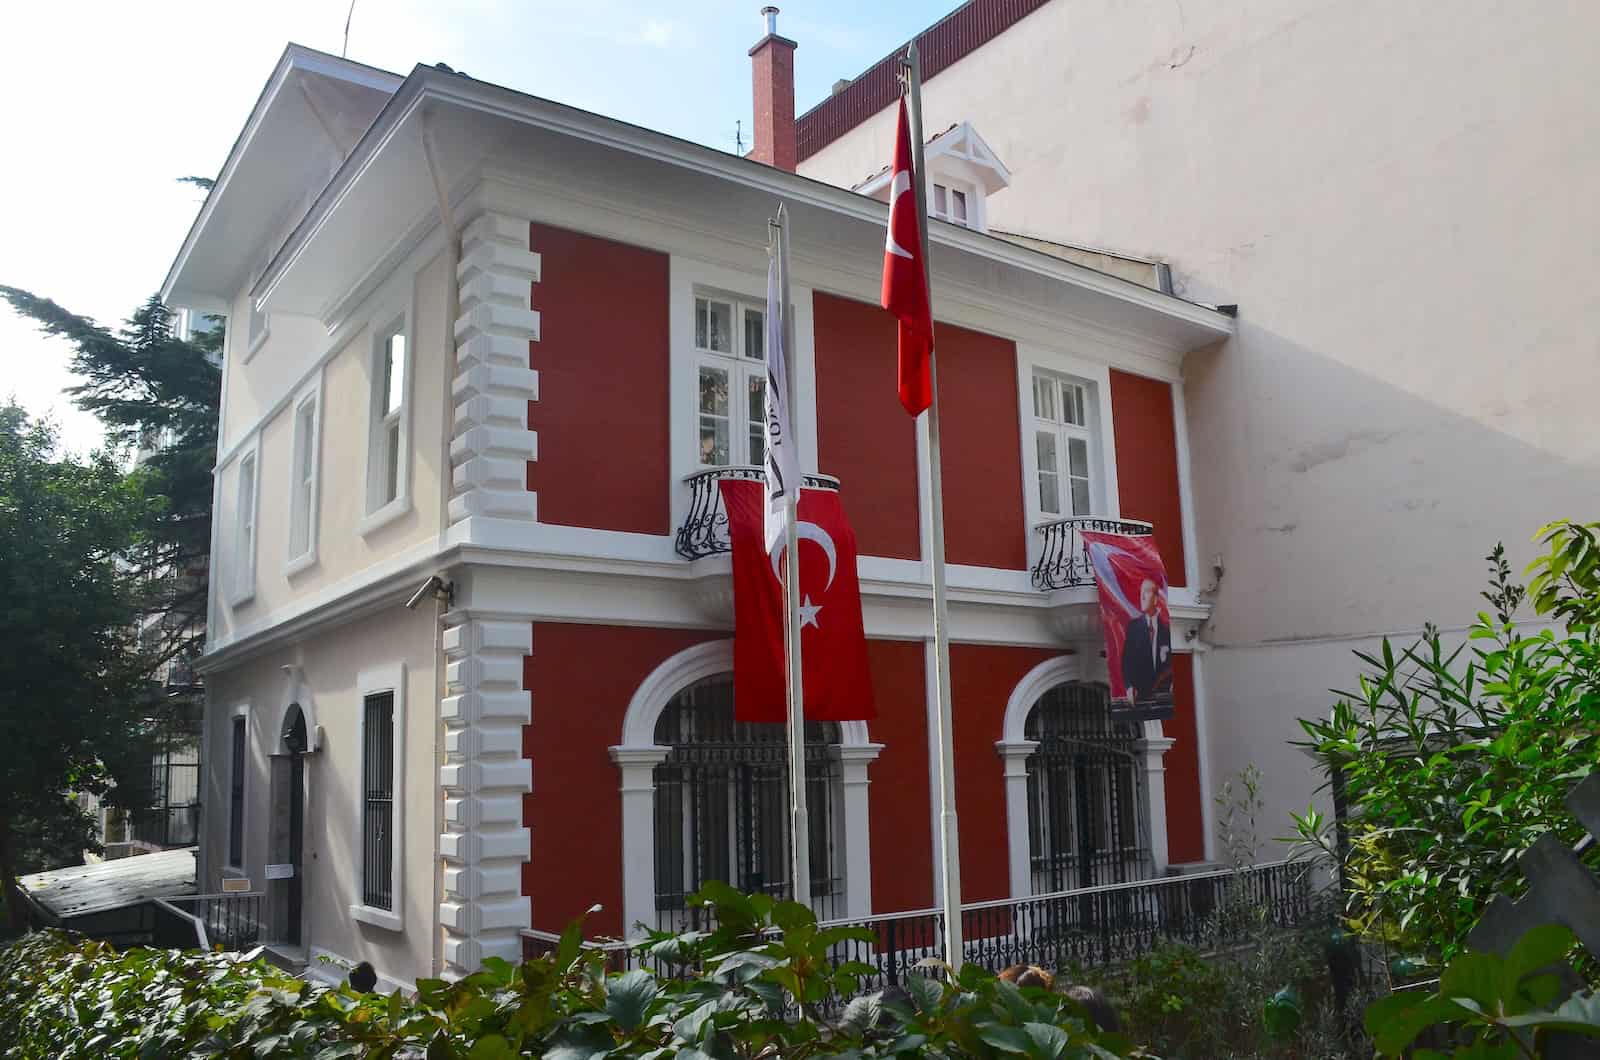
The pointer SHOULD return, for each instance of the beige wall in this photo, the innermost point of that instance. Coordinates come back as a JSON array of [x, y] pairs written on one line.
[[1399, 198], [331, 664], [266, 389]]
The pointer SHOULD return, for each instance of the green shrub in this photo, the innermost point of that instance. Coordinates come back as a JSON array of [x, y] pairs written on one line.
[[743, 991]]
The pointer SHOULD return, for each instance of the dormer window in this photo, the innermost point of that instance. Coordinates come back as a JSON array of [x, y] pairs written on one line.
[[962, 172]]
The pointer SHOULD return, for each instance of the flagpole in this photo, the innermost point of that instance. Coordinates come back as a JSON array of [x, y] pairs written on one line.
[[800, 832], [950, 843]]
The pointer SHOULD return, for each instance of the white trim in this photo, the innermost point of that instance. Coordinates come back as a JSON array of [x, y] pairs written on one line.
[[241, 578], [372, 523], [1105, 499], [377, 681], [638, 753], [1202, 748], [1191, 546], [311, 393]]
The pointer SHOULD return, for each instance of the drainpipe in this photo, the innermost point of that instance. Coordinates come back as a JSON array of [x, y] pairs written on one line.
[[452, 257]]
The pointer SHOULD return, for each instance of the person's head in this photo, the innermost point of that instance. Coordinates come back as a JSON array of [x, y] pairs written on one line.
[[1148, 598], [363, 977], [1096, 1007], [1029, 975]]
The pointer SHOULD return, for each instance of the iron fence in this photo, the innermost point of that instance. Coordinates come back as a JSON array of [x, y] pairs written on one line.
[[705, 527], [232, 922], [1085, 928], [1063, 560]]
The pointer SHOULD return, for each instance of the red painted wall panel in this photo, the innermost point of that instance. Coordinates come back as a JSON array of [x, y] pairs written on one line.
[[1147, 462], [1186, 828], [863, 435], [602, 358], [984, 524], [902, 836], [582, 678], [982, 677]]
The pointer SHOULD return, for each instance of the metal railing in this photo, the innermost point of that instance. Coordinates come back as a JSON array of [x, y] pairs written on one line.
[[705, 527], [1084, 928], [1064, 561], [232, 922]]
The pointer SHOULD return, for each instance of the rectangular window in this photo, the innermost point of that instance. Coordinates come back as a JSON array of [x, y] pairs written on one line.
[[256, 329], [236, 796], [949, 204], [388, 461], [1063, 439], [303, 486], [730, 412], [244, 582], [377, 802]]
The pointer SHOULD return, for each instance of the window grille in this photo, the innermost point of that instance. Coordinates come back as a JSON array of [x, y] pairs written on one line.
[[236, 796], [377, 803], [1087, 815], [722, 805]]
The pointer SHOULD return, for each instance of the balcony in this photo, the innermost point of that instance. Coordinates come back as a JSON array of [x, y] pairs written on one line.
[[705, 527], [1064, 560]]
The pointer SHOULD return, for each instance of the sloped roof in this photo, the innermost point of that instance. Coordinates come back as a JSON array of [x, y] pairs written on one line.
[[82, 889], [959, 141]]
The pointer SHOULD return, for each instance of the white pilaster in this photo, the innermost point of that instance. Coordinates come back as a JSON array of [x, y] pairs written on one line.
[[484, 778], [1015, 755], [853, 762], [1154, 749], [637, 765], [492, 440]]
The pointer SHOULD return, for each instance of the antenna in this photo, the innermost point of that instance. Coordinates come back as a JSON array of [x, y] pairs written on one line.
[[738, 138], [348, 15]]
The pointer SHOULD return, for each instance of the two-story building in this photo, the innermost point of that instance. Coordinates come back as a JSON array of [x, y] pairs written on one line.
[[486, 338]]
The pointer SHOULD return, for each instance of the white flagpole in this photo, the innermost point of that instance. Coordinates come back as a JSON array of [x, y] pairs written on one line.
[[799, 831], [949, 832]]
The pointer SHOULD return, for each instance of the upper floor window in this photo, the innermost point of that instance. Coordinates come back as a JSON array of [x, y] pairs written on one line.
[[388, 458], [731, 381], [950, 204], [257, 326], [303, 482], [1063, 438], [244, 572]]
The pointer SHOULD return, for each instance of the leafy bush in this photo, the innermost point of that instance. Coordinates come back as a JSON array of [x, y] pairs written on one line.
[[1453, 762], [1492, 1007], [740, 991]]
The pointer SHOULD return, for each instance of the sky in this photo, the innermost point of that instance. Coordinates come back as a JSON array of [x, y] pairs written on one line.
[[106, 104]]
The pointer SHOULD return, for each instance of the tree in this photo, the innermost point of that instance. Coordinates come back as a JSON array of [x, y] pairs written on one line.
[[158, 392], [74, 692], [1451, 763]]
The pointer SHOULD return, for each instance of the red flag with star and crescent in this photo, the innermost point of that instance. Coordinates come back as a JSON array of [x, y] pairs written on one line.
[[905, 281], [833, 639]]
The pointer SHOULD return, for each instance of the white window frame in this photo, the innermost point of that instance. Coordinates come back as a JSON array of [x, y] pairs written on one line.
[[304, 504], [381, 511], [1104, 502], [230, 870], [970, 198], [258, 328], [741, 368], [246, 508], [389, 679]]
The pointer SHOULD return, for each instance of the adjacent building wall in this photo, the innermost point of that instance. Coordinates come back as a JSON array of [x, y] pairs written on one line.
[[1397, 198]]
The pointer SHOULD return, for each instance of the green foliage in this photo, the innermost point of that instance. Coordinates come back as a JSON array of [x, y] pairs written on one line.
[[1494, 1007], [71, 682], [738, 991], [1452, 762]]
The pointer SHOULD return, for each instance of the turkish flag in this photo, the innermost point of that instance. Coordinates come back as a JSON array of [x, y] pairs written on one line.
[[905, 281], [833, 640], [1136, 623]]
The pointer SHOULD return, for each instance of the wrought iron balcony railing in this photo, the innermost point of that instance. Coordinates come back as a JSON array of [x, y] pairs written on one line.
[[1063, 559], [705, 528]]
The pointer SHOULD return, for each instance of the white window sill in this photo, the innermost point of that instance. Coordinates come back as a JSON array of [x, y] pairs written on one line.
[[385, 515], [378, 917], [260, 341], [305, 561], [244, 596]]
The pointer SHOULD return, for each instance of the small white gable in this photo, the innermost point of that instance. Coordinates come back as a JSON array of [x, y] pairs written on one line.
[[963, 171]]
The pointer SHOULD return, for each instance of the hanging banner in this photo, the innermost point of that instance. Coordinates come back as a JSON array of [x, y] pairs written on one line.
[[1137, 625]]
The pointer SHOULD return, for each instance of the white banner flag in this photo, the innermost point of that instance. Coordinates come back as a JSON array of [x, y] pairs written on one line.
[[783, 464]]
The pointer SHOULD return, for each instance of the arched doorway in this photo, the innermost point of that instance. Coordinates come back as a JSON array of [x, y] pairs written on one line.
[[722, 804], [1088, 811], [288, 826]]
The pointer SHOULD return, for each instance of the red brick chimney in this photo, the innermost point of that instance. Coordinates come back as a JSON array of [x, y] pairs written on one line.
[[772, 63]]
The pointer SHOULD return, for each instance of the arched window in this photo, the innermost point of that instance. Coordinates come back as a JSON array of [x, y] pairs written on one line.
[[1087, 807], [722, 804]]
